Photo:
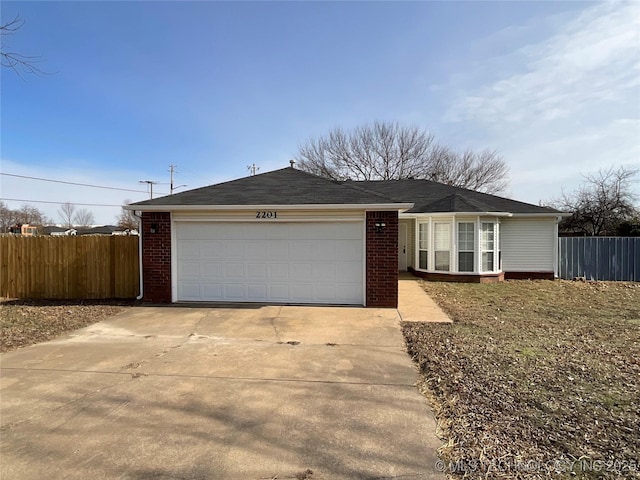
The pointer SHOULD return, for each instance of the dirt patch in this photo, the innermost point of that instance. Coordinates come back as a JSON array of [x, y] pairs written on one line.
[[534, 379], [25, 322]]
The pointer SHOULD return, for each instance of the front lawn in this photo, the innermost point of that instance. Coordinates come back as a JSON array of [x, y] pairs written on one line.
[[534, 379], [25, 322]]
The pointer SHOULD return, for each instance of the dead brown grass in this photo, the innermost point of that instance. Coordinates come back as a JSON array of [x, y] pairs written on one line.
[[25, 322], [534, 379]]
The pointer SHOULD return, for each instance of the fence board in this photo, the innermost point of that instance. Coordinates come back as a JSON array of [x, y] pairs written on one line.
[[600, 258], [84, 267]]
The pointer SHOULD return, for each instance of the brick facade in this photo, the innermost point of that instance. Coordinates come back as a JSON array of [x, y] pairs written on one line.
[[382, 260], [156, 257], [458, 277]]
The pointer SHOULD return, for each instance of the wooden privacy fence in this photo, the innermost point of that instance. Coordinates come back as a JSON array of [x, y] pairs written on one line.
[[600, 258], [86, 267]]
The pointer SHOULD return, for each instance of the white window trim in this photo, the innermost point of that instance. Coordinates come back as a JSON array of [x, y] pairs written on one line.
[[473, 250]]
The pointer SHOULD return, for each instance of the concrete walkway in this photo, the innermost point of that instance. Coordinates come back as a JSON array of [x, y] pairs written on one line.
[[219, 393], [414, 305]]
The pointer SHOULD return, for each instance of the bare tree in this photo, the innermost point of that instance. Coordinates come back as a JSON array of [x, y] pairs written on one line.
[[127, 219], [31, 215], [66, 214], [25, 214], [83, 218], [601, 205], [387, 151], [17, 62], [7, 218]]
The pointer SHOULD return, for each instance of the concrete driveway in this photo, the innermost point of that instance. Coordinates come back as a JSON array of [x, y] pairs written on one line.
[[231, 393]]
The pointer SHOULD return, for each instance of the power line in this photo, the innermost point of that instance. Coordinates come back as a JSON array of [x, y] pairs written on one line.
[[60, 203], [72, 183]]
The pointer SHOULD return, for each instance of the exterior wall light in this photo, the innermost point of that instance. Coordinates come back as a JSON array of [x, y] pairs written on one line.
[[380, 226], [154, 228]]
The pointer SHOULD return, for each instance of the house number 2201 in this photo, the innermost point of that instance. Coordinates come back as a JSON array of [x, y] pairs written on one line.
[[266, 214]]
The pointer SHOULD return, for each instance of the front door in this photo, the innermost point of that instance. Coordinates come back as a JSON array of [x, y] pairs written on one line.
[[402, 247]]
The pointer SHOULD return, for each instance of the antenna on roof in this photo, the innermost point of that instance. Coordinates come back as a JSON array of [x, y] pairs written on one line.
[[292, 162], [253, 169]]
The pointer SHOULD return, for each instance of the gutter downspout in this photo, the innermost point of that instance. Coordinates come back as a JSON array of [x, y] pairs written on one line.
[[135, 213]]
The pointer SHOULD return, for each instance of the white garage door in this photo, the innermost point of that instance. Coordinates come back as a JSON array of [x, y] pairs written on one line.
[[274, 262]]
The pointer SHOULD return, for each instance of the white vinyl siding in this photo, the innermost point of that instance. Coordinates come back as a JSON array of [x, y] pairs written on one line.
[[528, 244]]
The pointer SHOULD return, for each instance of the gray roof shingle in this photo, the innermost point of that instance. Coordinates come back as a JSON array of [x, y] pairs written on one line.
[[289, 186]]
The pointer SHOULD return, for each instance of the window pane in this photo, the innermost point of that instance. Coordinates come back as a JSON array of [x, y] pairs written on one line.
[[423, 236], [442, 236], [466, 237], [487, 236], [487, 261], [465, 262], [423, 259], [442, 261]]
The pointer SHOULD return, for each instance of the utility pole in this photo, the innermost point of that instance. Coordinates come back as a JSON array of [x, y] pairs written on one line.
[[150, 185], [172, 170], [253, 169]]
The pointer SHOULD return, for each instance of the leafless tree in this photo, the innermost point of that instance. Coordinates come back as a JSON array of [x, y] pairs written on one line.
[[127, 219], [83, 218], [386, 151], [66, 214], [25, 214], [602, 204], [19, 63]]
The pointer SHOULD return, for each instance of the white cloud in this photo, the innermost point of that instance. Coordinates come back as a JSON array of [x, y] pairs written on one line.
[[561, 106], [595, 58]]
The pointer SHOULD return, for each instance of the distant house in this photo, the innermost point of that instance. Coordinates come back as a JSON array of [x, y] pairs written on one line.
[[288, 236]]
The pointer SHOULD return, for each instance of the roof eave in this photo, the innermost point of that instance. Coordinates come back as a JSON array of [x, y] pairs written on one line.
[[314, 206], [458, 214]]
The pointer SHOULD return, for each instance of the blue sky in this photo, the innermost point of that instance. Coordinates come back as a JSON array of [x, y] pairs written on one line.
[[214, 87]]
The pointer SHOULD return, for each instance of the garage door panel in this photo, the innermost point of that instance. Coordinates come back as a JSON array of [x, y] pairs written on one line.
[[212, 290], [210, 249], [278, 271], [233, 250], [278, 292], [300, 272], [233, 270], [270, 262], [190, 291], [255, 250], [234, 291], [324, 272], [189, 249], [277, 250], [190, 270], [256, 271], [212, 270], [257, 292]]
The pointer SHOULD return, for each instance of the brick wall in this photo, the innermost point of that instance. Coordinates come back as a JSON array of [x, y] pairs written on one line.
[[156, 257], [382, 260]]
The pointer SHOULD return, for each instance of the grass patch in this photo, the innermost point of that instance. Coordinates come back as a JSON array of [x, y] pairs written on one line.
[[534, 379], [25, 322]]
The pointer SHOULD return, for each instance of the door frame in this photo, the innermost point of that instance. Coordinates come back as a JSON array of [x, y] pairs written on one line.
[[402, 247]]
